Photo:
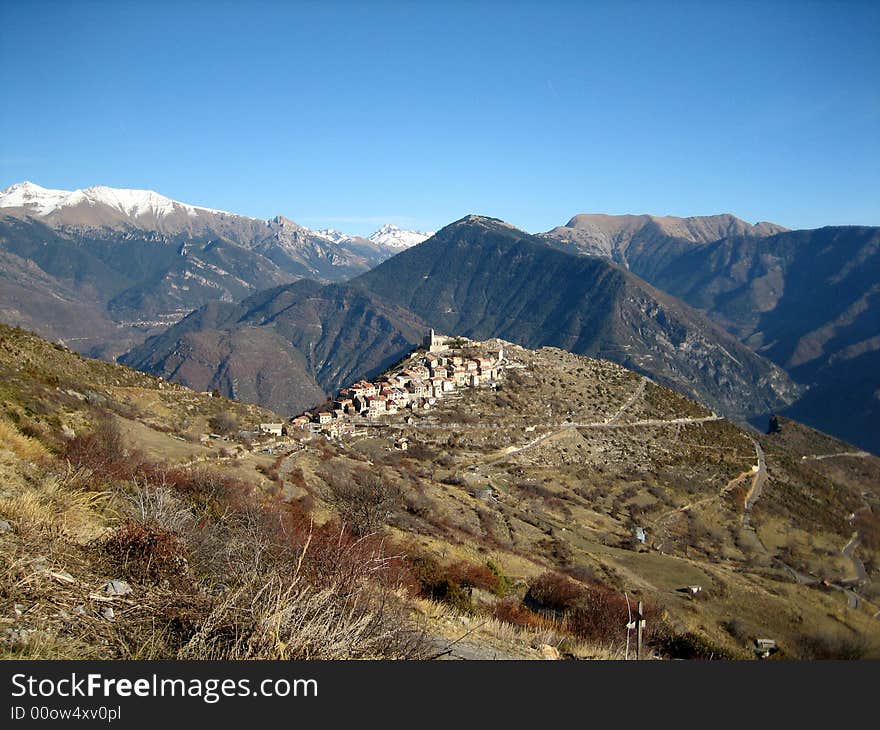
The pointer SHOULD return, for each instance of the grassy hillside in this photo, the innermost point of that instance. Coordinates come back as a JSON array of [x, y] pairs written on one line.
[[505, 530]]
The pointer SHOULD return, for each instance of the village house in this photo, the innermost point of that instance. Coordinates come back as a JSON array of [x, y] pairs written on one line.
[[300, 422], [418, 388], [324, 417], [365, 389], [439, 372], [273, 429], [398, 397], [420, 372], [459, 372], [377, 406]]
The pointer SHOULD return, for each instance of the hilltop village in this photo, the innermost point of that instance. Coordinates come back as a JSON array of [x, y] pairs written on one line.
[[437, 371]]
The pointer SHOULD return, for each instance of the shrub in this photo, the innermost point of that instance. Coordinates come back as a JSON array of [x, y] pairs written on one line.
[[832, 646], [224, 423], [554, 592], [146, 553], [687, 645], [365, 502], [103, 452], [514, 612]]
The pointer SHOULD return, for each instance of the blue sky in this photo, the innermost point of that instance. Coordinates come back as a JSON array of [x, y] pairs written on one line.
[[354, 114]]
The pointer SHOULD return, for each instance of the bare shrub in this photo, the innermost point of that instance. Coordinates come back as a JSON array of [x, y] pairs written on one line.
[[554, 592], [103, 451], [833, 646], [365, 501]]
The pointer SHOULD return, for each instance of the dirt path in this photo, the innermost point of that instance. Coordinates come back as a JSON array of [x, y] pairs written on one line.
[[638, 393], [758, 473], [820, 457], [848, 552], [600, 425], [758, 482]]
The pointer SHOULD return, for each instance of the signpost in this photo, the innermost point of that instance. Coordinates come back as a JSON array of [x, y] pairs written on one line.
[[637, 623]]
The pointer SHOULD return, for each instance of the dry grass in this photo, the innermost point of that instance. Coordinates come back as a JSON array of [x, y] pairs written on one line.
[[517, 639], [24, 447], [57, 506], [290, 619]]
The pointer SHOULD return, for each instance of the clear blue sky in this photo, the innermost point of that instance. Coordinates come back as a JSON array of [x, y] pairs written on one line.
[[352, 114]]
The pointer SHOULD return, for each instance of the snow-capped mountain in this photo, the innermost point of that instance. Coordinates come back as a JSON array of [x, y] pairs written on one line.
[[105, 207], [42, 201], [388, 236], [393, 237], [332, 235], [139, 260]]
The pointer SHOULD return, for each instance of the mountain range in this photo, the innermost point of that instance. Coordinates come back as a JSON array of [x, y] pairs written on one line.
[[133, 261], [748, 318], [807, 300], [481, 278]]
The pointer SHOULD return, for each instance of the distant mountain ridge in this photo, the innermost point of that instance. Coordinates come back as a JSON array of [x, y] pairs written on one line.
[[137, 261], [637, 241], [808, 300], [388, 236], [478, 277]]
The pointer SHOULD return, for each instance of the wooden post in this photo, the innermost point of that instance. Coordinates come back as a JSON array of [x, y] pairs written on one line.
[[639, 626]]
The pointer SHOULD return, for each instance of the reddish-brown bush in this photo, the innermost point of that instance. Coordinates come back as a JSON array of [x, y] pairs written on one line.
[[554, 592], [146, 553], [514, 612], [104, 452]]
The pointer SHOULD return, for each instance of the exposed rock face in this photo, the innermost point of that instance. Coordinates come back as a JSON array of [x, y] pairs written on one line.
[[638, 241]]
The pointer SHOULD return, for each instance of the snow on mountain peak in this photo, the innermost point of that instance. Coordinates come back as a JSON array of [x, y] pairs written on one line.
[[143, 207], [388, 236], [29, 195], [394, 237], [332, 235], [43, 201]]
